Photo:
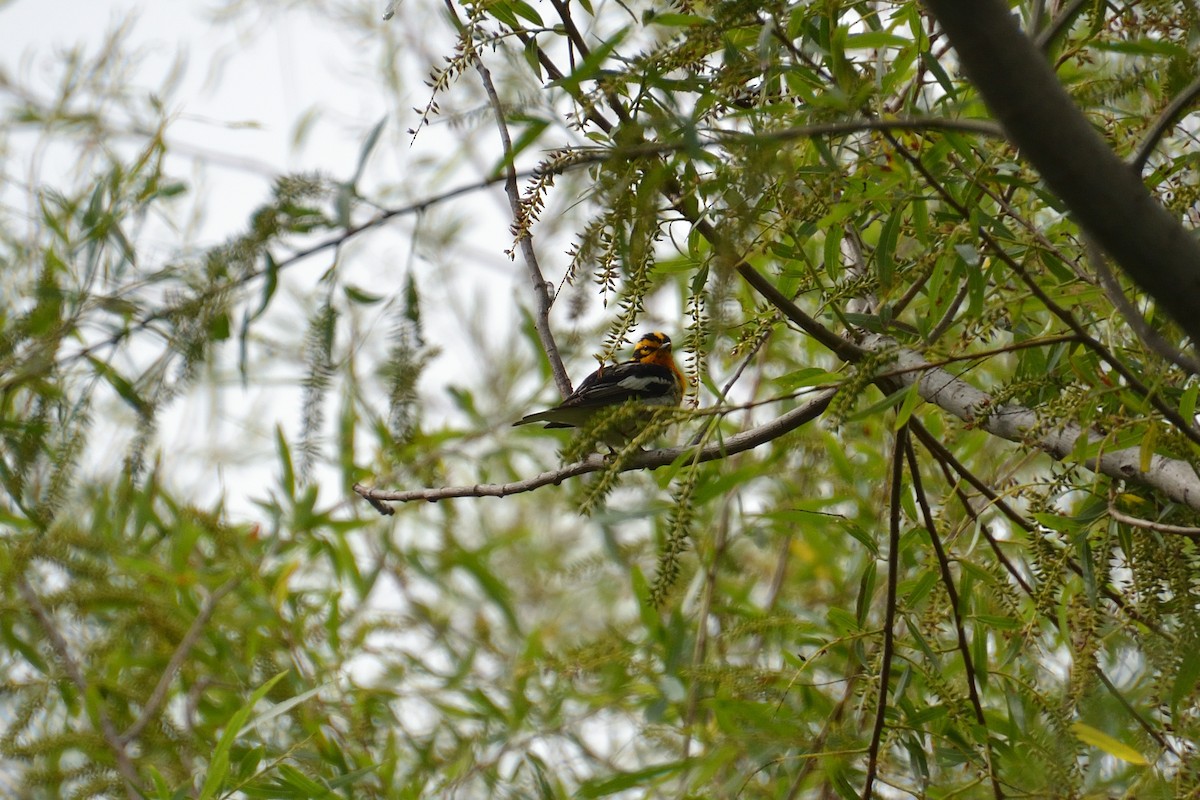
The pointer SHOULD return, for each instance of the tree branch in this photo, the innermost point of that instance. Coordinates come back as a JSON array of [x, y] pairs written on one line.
[[59, 645], [949, 463], [889, 614], [1151, 525], [541, 289], [159, 695], [1173, 477], [1187, 427], [1170, 115], [952, 596], [1150, 337], [651, 459]]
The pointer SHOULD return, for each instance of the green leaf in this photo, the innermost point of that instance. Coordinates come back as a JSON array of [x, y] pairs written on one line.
[[349, 778], [1086, 450], [647, 608], [304, 785], [808, 376], [1146, 448], [1187, 403], [527, 11], [1143, 47], [866, 593], [832, 251], [676, 20], [882, 405], [218, 327], [528, 136], [123, 387], [270, 275], [875, 40], [287, 478], [365, 152], [1101, 740], [1186, 676], [589, 68], [218, 765], [359, 296], [643, 778], [947, 85], [282, 708], [906, 408]]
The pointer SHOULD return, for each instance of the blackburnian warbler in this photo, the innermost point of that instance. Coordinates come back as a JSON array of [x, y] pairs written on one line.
[[649, 378]]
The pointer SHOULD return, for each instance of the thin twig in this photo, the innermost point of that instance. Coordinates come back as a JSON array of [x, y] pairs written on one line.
[[1059, 24], [947, 319], [651, 459], [951, 468], [1169, 116], [1105, 196], [842, 348], [159, 695], [1142, 722], [1151, 525], [815, 747], [563, 9], [331, 243], [944, 458], [541, 289], [591, 112], [59, 645], [1004, 200], [1150, 337], [952, 595], [943, 454], [889, 614]]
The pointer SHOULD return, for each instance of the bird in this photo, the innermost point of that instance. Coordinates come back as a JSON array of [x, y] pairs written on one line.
[[650, 378]]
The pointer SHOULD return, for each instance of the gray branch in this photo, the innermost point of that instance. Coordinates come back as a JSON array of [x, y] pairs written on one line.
[[1174, 478], [651, 459]]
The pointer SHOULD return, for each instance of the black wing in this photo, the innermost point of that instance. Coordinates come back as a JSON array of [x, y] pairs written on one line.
[[631, 380]]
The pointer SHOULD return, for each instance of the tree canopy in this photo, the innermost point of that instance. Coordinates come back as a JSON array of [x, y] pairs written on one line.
[[924, 526]]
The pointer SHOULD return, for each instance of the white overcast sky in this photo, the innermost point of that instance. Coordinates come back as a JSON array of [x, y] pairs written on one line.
[[245, 90]]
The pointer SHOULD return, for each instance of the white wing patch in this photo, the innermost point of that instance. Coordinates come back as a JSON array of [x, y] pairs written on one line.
[[647, 385]]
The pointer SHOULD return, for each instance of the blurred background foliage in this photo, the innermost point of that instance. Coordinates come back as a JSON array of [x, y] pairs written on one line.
[[705, 630]]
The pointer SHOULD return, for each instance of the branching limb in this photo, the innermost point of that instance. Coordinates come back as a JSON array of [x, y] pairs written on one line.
[[964, 648], [948, 463], [332, 243], [651, 459], [1170, 115], [1187, 427], [955, 472], [59, 645], [1151, 525], [842, 348], [159, 695], [541, 289], [1175, 478], [889, 615], [952, 466], [1150, 337]]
